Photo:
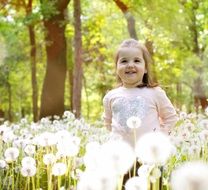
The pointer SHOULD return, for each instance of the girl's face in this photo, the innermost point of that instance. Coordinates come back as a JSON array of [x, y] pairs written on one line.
[[130, 66]]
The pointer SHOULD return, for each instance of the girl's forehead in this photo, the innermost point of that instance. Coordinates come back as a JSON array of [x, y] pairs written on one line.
[[129, 52]]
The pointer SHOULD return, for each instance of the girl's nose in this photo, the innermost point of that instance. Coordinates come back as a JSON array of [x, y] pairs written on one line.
[[130, 64]]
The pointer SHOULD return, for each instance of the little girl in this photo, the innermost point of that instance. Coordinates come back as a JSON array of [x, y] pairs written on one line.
[[136, 95]]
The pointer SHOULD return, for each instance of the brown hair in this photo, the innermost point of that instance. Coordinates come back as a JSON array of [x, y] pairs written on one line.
[[147, 79]]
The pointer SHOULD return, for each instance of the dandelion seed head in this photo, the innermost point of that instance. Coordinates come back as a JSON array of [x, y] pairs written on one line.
[[91, 158], [29, 149], [3, 164], [46, 139], [117, 155], [11, 154], [136, 183], [28, 170], [97, 181], [154, 148], [49, 159], [203, 124], [27, 161], [190, 176], [63, 134], [59, 169], [133, 122], [67, 148], [8, 136], [144, 170]]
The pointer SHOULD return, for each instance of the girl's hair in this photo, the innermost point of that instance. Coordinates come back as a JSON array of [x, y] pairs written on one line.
[[147, 80]]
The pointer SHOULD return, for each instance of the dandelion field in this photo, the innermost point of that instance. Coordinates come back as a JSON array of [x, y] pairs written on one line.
[[69, 154]]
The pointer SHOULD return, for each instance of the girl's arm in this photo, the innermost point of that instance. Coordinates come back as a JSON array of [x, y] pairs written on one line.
[[166, 112]]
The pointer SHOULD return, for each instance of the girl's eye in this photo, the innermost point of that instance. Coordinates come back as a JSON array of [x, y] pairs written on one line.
[[124, 61], [137, 61]]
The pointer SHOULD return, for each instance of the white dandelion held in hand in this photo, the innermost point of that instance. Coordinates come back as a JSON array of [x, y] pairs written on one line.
[[154, 148], [190, 176], [133, 122]]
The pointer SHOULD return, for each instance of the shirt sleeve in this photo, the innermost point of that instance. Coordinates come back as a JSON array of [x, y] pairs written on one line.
[[107, 115], [166, 111]]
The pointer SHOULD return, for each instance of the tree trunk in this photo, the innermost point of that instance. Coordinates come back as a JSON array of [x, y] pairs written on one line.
[[77, 78], [70, 72], [31, 31], [33, 71], [129, 18], [52, 99]]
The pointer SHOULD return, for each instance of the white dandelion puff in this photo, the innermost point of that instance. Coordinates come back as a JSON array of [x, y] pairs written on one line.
[[154, 148], [27, 161], [28, 170], [144, 170], [59, 169], [136, 183], [11, 154], [67, 148], [97, 181], [8, 136], [133, 122], [190, 176], [29, 149], [46, 139], [116, 156], [49, 159], [3, 164]]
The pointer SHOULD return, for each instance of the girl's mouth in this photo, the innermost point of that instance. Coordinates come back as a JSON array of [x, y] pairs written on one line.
[[130, 72]]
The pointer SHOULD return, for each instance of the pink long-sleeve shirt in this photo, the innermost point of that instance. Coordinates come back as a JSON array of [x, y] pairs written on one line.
[[151, 105]]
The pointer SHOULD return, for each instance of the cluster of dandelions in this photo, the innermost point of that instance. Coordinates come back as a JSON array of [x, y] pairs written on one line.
[[44, 155], [107, 164], [69, 154]]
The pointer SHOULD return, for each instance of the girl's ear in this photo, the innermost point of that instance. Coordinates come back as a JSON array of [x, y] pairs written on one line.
[[145, 71]]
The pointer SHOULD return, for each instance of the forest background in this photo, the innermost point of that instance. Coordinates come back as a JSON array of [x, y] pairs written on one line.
[[58, 55]]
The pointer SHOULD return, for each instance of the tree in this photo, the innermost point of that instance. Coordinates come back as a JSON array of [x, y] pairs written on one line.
[[78, 75], [196, 28], [52, 98], [129, 18], [28, 8]]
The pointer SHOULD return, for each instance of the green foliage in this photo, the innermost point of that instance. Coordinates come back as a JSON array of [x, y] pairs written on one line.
[[169, 26], [48, 8]]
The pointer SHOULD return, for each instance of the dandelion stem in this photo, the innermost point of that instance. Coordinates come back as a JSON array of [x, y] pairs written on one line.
[[33, 183], [28, 182], [120, 183], [68, 173], [5, 179], [59, 182], [134, 169], [49, 177], [161, 179], [12, 176]]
